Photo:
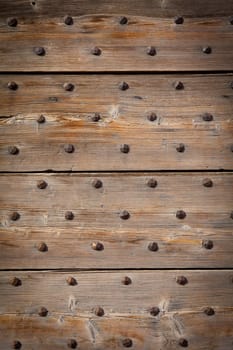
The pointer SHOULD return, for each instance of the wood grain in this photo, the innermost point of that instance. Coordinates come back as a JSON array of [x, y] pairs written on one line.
[[123, 120], [123, 47], [97, 218]]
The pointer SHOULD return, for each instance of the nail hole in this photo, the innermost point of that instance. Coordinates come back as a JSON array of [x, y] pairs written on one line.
[[13, 150], [68, 87], [12, 22], [96, 117], [180, 214]]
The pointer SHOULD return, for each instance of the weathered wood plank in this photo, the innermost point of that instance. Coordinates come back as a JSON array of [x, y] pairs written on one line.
[[97, 218], [154, 8], [123, 120], [119, 47]]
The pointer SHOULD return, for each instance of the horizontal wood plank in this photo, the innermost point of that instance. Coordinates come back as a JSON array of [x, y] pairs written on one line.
[[153, 8], [97, 218], [123, 119], [100, 43]]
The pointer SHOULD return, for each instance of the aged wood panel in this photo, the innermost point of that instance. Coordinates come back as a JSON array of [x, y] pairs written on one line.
[[70, 118], [154, 8], [97, 218], [100, 43]]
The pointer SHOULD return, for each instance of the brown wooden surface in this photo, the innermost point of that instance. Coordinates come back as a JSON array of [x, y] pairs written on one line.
[[127, 309], [123, 121], [155, 8], [97, 218], [124, 47]]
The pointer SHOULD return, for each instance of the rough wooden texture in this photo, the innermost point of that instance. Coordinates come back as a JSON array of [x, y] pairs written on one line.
[[123, 120], [155, 8], [123, 47], [97, 218], [127, 310]]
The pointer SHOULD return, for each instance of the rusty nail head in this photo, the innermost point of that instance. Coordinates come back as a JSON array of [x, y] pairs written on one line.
[[154, 311], [69, 215], [180, 148], [12, 85], [123, 86], [99, 311], [16, 282], [207, 244], [231, 20], [71, 281], [72, 344], [127, 343], [96, 51], [153, 247], [96, 117], [43, 312], [231, 148], [152, 117], [182, 280], [126, 280], [180, 214], [231, 215], [68, 20], [42, 247], [68, 87], [123, 20], [152, 183], [183, 342], [13, 150], [39, 51], [97, 246], [17, 344], [179, 20], [96, 183], [125, 148], [69, 148], [41, 184], [209, 311], [15, 216], [41, 119], [207, 182], [151, 51], [178, 85], [12, 22], [207, 117], [124, 215], [207, 50]]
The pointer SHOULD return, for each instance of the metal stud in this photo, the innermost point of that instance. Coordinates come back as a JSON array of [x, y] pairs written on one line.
[[207, 117], [209, 311], [123, 86], [152, 183], [68, 87], [12, 85], [207, 50], [154, 311], [124, 215], [69, 215], [71, 281], [15, 216], [153, 246], [207, 244], [180, 148], [41, 184], [181, 280], [99, 311], [231, 215], [183, 342], [41, 119], [97, 183], [127, 343], [69, 148], [179, 20], [39, 51], [17, 344], [207, 182], [12, 22], [72, 344], [96, 117], [151, 51], [42, 247], [125, 148], [16, 282], [180, 214], [13, 150], [68, 20], [43, 312], [126, 281], [96, 51], [178, 85], [123, 20], [97, 246], [152, 117], [231, 20]]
